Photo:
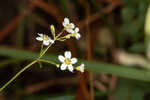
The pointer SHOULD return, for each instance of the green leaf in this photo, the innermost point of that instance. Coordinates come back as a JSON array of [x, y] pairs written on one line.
[[147, 30], [122, 71], [8, 61], [128, 90], [49, 98]]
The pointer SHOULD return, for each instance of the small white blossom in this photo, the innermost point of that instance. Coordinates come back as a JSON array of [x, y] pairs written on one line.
[[68, 26], [46, 40], [67, 61], [80, 68], [76, 33]]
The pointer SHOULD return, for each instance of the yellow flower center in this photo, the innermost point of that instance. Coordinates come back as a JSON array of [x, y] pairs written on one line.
[[45, 37], [67, 61], [74, 34], [68, 26]]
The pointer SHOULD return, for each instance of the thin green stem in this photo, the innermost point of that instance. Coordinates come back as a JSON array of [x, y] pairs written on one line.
[[59, 34], [13, 78], [41, 49], [51, 44], [38, 59], [26, 67], [62, 38], [45, 50], [48, 61]]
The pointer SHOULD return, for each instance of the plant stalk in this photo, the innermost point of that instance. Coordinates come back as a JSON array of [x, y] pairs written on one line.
[[13, 78]]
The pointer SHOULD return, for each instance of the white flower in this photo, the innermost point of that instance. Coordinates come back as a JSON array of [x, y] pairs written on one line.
[[46, 40], [67, 61], [68, 26], [80, 68], [76, 33]]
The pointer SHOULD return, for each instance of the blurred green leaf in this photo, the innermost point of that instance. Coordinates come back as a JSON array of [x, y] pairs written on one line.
[[128, 13], [128, 90], [147, 30], [133, 19], [49, 98], [63, 96], [7, 62], [137, 48], [122, 71]]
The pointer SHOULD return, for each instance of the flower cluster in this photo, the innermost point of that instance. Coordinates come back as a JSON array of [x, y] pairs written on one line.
[[69, 27], [66, 60]]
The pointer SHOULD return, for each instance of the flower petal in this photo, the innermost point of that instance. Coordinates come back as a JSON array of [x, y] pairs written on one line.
[[78, 36], [66, 21], [61, 58], [64, 24], [72, 25], [82, 67], [74, 60], [67, 54], [46, 43], [41, 35], [70, 30], [70, 68], [63, 66], [39, 38], [51, 41], [76, 30]]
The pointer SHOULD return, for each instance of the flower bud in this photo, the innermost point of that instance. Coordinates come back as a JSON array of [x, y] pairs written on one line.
[[52, 30]]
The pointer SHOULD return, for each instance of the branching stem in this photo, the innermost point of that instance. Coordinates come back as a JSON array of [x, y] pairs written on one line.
[[33, 62]]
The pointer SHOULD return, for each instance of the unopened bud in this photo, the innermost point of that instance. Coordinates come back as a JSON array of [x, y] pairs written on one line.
[[52, 30]]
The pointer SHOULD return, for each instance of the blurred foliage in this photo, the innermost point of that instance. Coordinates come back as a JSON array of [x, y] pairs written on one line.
[[49, 98], [129, 90], [132, 29], [133, 82], [118, 70]]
